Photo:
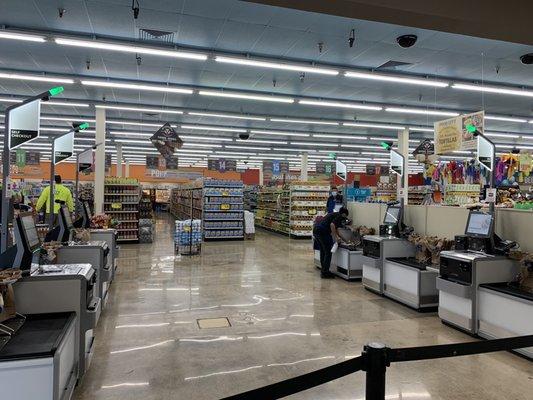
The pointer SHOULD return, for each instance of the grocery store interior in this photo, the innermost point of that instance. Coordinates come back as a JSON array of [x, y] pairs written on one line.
[[266, 199]]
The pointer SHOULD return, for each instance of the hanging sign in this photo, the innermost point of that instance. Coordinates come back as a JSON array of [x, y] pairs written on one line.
[[21, 158], [24, 124], [108, 161], [33, 158], [166, 140], [85, 161], [486, 151], [63, 148], [370, 169], [426, 147], [221, 165], [396, 162], [454, 133], [324, 168], [340, 170], [152, 162], [172, 163]]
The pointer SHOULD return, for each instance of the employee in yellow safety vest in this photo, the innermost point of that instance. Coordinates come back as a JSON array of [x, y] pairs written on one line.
[[61, 193]]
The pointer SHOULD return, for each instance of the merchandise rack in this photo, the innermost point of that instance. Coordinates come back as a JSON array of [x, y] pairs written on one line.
[[121, 202], [273, 209], [186, 202], [250, 197], [307, 201], [461, 194], [223, 209]]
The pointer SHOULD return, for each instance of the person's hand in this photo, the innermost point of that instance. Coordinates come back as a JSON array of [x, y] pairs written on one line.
[[339, 240]]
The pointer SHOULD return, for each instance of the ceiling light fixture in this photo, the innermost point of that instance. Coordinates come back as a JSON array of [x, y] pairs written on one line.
[[396, 79], [493, 89], [135, 86], [211, 128], [139, 109], [506, 119], [421, 111], [201, 145], [303, 121], [502, 135], [216, 139], [278, 133], [339, 105], [64, 104], [21, 36], [315, 144], [374, 126], [420, 129], [128, 48], [262, 141], [247, 148], [347, 137], [71, 119], [37, 78], [230, 116], [233, 95], [276, 65], [116, 122]]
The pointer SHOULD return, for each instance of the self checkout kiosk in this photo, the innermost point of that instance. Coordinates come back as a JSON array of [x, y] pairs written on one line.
[[347, 261], [60, 302], [94, 252], [389, 243], [480, 257]]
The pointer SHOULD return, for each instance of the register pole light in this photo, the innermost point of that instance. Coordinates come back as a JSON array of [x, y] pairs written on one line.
[[45, 96], [75, 129]]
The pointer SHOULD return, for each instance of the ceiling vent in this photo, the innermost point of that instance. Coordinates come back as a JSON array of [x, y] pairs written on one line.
[[391, 64], [154, 35]]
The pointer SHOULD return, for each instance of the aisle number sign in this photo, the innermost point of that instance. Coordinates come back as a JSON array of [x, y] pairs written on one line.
[[24, 124], [452, 134]]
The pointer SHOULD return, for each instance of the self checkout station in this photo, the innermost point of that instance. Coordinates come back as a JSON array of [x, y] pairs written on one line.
[[50, 340]]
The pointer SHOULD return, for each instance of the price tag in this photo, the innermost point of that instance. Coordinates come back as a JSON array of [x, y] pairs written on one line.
[[311, 211], [491, 196], [186, 228], [116, 206], [224, 206], [225, 193]]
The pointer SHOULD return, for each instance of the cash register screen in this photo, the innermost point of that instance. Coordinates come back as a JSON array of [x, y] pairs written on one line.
[[31, 231], [68, 218], [392, 215], [479, 224]]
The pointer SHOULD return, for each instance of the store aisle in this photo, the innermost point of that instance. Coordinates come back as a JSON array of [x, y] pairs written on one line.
[[284, 320]]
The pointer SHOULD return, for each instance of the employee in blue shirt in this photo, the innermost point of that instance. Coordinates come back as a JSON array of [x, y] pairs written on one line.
[[325, 233], [335, 199]]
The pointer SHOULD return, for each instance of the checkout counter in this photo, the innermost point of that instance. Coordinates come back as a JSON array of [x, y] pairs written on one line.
[[347, 261], [377, 248], [479, 258], [45, 289], [95, 253]]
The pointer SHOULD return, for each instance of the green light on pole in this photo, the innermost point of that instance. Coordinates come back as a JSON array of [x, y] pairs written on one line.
[[385, 145], [56, 90], [83, 126], [333, 156], [471, 128]]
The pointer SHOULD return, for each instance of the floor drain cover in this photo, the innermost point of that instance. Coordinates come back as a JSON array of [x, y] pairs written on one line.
[[207, 323]]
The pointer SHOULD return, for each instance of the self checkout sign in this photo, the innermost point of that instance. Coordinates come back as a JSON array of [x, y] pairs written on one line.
[[63, 147], [24, 124]]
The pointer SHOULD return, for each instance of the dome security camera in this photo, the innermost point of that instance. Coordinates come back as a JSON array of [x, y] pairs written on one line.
[[406, 41], [527, 59], [244, 136]]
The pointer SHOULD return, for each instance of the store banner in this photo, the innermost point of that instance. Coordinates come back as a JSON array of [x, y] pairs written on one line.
[[85, 161], [172, 163], [267, 170], [24, 124], [162, 163], [166, 140], [21, 158], [325, 168], [33, 158], [452, 134], [152, 162], [63, 148], [371, 169], [222, 165]]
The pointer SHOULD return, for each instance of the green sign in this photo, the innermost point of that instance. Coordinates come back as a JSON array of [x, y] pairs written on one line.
[[21, 158]]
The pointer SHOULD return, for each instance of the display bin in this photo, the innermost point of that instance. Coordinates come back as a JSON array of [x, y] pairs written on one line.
[[495, 319]]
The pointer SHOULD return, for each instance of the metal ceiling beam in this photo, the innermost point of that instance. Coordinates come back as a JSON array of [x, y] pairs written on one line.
[[491, 19]]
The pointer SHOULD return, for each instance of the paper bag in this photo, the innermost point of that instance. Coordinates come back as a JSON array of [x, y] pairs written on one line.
[[7, 302]]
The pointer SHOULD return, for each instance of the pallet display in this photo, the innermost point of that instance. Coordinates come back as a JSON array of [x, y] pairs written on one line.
[[223, 216], [307, 200], [188, 237], [121, 202], [186, 202], [273, 209]]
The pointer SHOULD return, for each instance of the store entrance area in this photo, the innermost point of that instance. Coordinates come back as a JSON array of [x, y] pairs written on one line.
[[284, 321]]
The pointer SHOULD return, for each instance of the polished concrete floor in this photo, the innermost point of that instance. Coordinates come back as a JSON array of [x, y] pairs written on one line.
[[285, 321]]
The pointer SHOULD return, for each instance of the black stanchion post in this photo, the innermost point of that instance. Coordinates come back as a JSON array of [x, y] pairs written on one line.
[[376, 363]]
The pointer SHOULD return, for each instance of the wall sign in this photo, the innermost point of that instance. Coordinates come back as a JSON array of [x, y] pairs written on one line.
[[63, 148], [24, 124]]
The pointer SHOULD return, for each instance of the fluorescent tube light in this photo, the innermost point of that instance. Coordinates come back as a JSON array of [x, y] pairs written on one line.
[[128, 48], [201, 145], [303, 121], [247, 148], [347, 137], [396, 79], [233, 95], [136, 123], [131, 133], [338, 104], [506, 119], [278, 133], [21, 36], [230, 116], [276, 65], [420, 129], [10, 100], [493, 89], [135, 86], [140, 109], [71, 119], [212, 128], [502, 135], [315, 144], [63, 104], [262, 141], [37, 78], [421, 111], [216, 139], [236, 153], [375, 126]]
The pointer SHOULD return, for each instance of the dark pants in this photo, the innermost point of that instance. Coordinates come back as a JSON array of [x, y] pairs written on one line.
[[325, 241]]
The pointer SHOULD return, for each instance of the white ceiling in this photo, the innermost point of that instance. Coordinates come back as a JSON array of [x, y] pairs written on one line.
[[232, 26]]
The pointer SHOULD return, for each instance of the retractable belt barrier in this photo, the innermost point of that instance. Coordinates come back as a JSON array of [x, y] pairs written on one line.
[[374, 360]]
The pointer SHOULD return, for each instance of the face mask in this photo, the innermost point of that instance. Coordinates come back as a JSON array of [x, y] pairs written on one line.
[[334, 193]]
